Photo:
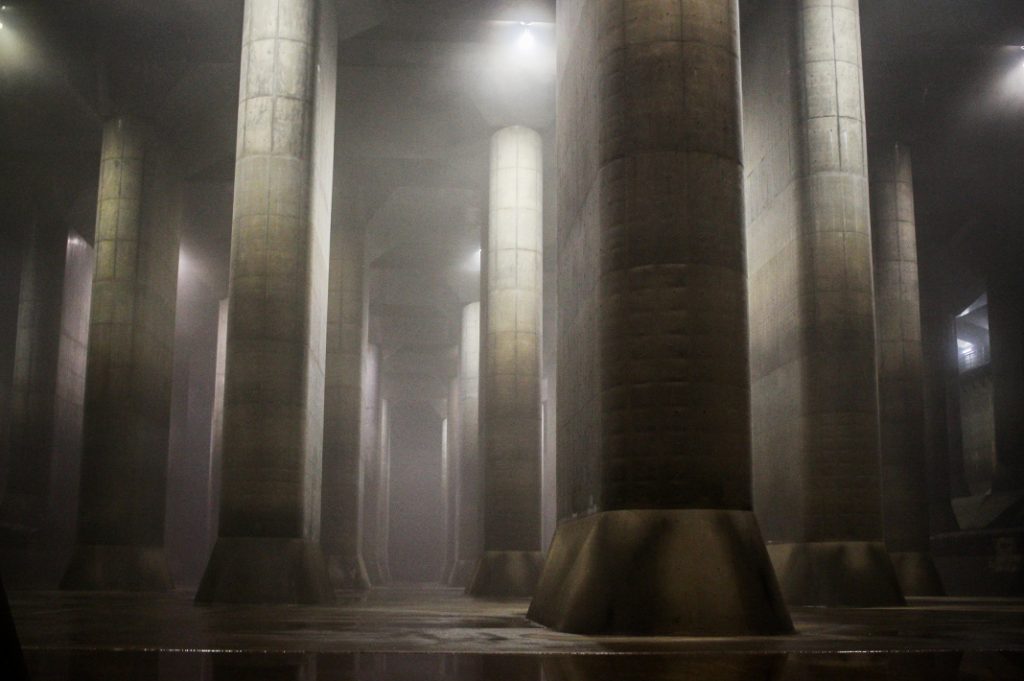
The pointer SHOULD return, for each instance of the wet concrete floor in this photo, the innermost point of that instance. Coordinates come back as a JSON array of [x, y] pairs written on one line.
[[438, 634]]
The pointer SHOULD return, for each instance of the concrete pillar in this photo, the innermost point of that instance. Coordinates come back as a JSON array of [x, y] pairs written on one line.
[[342, 534], [370, 439], [268, 546], [657, 535], [120, 542], [1006, 329], [39, 505], [510, 368], [451, 481], [901, 371], [468, 499], [34, 388], [815, 404]]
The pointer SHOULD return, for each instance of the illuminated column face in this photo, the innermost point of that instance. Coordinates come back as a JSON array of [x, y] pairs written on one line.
[[510, 376], [467, 501], [268, 546], [900, 371], [814, 393], [128, 374]]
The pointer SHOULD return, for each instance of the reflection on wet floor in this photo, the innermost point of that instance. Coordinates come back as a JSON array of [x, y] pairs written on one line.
[[199, 666]]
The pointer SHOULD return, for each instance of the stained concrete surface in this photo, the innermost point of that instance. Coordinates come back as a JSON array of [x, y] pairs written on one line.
[[436, 633]]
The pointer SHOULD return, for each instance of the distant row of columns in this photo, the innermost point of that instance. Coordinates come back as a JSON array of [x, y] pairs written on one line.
[[657, 532]]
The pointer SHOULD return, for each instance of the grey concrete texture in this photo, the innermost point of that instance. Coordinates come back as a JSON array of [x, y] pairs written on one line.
[[653, 385], [342, 492], [510, 336], [277, 321], [653, 378], [34, 384], [900, 362], [506, 574], [468, 499], [382, 512], [847, 574], [917, 574], [1006, 324], [370, 451], [814, 387], [266, 570], [661, 572], [38, 511], [450, 480], [129, 365], [113, 567]]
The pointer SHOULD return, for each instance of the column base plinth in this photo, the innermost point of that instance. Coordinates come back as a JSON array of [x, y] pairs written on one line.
[[461, 573], [652, 572], [348, 573], [917, 573], [266, 570], [105, 567], [847, 574], [506, 574]]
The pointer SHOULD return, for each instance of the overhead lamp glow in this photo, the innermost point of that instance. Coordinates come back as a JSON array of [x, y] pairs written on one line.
[[526, 40]]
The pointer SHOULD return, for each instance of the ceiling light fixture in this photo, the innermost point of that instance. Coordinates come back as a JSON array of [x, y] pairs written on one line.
[[526, 40]]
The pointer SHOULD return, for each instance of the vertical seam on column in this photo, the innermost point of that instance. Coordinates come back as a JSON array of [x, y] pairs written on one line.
[[270, 154], [835, 71]]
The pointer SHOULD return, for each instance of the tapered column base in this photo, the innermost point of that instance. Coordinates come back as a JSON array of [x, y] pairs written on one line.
[[506, 574], [840, 574], [348, 573], [651, 572], [462, 573], [917, 573], [266, 570], [104, 567]]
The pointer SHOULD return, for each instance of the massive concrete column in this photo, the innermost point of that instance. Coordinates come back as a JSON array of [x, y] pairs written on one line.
[[510, 368], [34, 386], [342, 533], [268, 547], [657, 535], [1006, 325], [815, 405], [129, 366], [901, 371], [468, 499], [38, 508]]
